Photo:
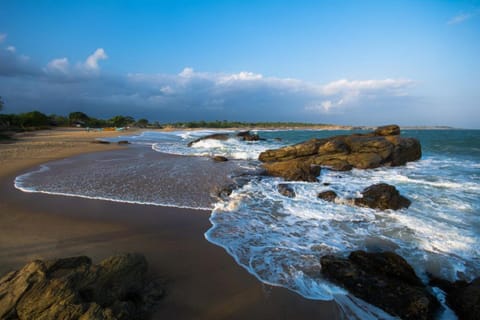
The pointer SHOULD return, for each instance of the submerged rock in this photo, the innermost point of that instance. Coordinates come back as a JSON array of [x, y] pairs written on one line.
[[215, 136], [286, 190], [248, 136], [385, 280], [383, 147], [382, 196], [123, 142], [328, 195], [462, 297], [74, 288], [220, 158]]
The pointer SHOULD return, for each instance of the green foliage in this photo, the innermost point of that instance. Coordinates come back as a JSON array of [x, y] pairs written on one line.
[[1, 104], [58, 121], [121, 121], [236, 124], [78, 118], [34, 119], [142, 123]]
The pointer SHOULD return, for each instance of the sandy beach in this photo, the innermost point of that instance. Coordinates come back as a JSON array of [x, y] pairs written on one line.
[[202, 280]]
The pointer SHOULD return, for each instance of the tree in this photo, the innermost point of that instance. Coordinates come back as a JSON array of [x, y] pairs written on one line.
[[78, 118], [121, 121], [142, 123], [1, 104], [33, 119]]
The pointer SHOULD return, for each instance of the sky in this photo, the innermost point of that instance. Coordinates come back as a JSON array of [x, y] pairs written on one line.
[[341, 62]]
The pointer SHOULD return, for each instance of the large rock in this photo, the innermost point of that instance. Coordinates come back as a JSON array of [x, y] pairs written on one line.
[[286, 190], [215, 136], [328, 195], [74, 288], [385, 280], [382, 196], [248, 136], [383, 147], [462, 297], [293, 170]]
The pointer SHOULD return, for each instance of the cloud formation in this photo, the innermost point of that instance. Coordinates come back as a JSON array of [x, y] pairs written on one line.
[[63, 87], [462, 17], [3, 36]]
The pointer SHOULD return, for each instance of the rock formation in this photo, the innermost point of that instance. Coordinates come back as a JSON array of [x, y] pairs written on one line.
[[220, 158], [215, 136], [248, 136], [385, 280], [74, 288], [383, 147], [382, 196], [328, 195], [286, 190]]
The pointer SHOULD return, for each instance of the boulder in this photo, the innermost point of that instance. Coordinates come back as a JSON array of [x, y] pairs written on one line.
[[462, 297], [123, 142], [383, 147], [220, 158], [74, 288], [328, 195], [293, 170], [382, 196], [286, 190], [215, 136], [383, 279]]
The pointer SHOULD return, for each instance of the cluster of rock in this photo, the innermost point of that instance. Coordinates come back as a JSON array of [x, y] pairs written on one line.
[[74, 288], [383, 147]]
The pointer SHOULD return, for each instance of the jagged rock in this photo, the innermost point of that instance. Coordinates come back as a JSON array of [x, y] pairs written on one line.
[[215, 136], [293, 170], [384, 147], [382, 196], [220, 158], [74, 288], [123, 142], [389, 130], [328, 195], [224, 192], [385, 280], [248, 136], [462, 297], [101, 142], [286, 190]]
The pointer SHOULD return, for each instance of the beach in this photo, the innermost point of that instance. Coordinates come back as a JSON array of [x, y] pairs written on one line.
[[202, 281]]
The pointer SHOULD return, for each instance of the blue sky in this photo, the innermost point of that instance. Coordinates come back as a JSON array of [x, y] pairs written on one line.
[[344, 62]]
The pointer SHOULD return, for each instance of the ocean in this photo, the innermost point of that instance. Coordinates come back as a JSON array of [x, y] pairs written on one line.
[[278, 239]]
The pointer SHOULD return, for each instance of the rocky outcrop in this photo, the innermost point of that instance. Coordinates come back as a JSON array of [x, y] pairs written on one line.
[[462, 297], [123, 142], [382, 196], [215, 136], [385, 280], [328, 195], [74, 288], [293, 170], [383, 147], [286, 190], [248, 136]]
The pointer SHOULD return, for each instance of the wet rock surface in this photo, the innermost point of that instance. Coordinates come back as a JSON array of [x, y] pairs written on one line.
[[382, 196], [329, 195], [286, 190], [383, 279], [74, 288], [215, 136]]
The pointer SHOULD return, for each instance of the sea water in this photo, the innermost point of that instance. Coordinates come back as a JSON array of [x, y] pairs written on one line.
[[280, 240]]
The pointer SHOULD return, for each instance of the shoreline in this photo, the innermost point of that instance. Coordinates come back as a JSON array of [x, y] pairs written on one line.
[[202, 280]]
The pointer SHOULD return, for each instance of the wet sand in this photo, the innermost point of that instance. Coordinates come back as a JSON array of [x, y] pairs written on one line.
[[202, 280]]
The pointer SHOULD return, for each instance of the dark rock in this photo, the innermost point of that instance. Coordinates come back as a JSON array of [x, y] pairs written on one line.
[[293, 170], [286, 190], [384, 147], [101, 142], [224, 192], [73, 288], [382, 196], [462, 297], [215, 136], [248, 136], [123, 142], [220, 158], [385, 280], [328, 195], [390, 130]]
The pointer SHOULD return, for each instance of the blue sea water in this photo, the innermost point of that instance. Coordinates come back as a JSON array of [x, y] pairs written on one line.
[[280, 240]]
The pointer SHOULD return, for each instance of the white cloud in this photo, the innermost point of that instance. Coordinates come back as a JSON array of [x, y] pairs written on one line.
[[187, 73], [11, 49], [58, 65], [91, 64], [167, 90], [462, 17], [3, 36]]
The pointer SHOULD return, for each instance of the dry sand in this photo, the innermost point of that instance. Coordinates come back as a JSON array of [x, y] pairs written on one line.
[[202, 280]]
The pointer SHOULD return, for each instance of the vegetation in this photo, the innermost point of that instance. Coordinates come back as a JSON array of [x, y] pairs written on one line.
[[236, 124]]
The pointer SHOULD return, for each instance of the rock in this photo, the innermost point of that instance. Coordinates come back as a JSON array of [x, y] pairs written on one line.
[[383, 147], [224, 192], [389, 130], [74, 288], [328, 195], [123, 142], [101, 142], [248, 136], [462, 297], [286, 190], [385, 280], [215, 136], [220, 158], [293, 170], [382, 196]]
